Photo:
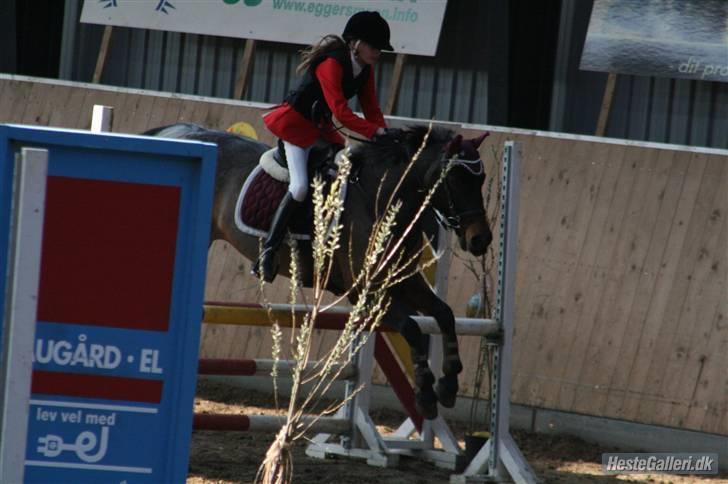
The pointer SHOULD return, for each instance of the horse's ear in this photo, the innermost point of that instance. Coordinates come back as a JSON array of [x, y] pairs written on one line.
[[453, 146], [477, 141]]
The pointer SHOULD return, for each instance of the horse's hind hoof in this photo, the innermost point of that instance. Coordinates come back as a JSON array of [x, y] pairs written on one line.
[[447, 391], [426, 404]]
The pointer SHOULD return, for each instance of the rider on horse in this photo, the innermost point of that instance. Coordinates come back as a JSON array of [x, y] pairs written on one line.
[[335, 70]]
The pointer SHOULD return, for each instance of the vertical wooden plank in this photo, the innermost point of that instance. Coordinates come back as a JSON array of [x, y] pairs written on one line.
[[48, 99], [606, 104], [714, 393], [706, 386], [125, 112], [660, 268], [660, 205], [592, 277], [6, 90], [66, 116], [193, 112], [137, 115], [628, 255], [673, 292], [103, 51], [172, 111], [540, 227], [577, 251], [57, 102], [611, 271], [159, 111], [213, 117], [246, 66], [548, 288], [31, 106], [395, 83], [685, 368], [16, 101], [94, 96], [229, 116]]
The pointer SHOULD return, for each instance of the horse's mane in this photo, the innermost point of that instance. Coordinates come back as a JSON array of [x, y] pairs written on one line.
[[193, 131], [400, 147]]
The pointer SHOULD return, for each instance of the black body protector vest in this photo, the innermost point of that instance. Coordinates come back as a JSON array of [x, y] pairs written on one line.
[[308, 97]]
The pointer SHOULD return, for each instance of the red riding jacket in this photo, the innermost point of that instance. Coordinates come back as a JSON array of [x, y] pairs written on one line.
[[333, 81]]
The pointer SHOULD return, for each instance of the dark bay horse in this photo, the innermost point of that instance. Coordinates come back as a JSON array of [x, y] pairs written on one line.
[[458, 202]]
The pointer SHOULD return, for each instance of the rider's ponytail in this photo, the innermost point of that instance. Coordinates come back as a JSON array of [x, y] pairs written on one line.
[[327, 44]]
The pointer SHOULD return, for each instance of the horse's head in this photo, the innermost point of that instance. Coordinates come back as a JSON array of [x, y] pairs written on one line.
[[460, 204]]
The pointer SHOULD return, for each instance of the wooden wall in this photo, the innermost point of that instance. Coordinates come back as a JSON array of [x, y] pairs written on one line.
[[622, 292]]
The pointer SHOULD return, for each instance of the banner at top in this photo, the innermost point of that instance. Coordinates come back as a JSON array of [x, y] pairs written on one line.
[[685, 39], [415, 24]]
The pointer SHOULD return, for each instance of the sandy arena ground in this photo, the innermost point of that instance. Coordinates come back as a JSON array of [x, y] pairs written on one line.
[[234, 457]]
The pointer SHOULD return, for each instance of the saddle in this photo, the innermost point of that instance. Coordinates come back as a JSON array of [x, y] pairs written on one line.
[[267, 184]]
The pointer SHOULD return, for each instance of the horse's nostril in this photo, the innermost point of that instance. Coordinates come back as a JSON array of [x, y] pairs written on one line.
[[479, 243]]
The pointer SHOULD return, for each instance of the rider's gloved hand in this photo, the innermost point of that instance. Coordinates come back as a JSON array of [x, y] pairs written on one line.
[[387, 135]]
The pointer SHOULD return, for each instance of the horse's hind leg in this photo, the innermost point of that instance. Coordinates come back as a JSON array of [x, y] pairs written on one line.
[[425, 398], [419, 295]]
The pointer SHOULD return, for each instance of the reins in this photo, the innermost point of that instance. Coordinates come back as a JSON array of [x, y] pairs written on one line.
[[453, 219]]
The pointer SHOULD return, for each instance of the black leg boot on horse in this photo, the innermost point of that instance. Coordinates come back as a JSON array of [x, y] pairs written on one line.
[[425, 396], [266, 266], [447, 385]]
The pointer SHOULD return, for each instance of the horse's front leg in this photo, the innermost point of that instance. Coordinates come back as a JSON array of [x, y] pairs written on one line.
[[398, 318], [421, 298]]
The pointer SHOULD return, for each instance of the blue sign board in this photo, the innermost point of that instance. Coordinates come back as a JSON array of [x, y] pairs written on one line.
[[124, 251]]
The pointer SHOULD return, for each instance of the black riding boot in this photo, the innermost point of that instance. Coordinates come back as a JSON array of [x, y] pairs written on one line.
[[278, 229]]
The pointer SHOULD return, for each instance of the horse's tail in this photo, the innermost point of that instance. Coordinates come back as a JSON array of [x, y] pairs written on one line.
[[179, 130]]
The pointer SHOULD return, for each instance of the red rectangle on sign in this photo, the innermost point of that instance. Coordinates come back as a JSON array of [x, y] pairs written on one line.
[[108, 253], [96, 386]]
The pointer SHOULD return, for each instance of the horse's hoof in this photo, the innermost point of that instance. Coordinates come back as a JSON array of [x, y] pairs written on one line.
[[452, 366], [426, 404], [447, 391]]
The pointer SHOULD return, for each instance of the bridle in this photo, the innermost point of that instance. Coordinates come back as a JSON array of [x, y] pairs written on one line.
[[453, 219]]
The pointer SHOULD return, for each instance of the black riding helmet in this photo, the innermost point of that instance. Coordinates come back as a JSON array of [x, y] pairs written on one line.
[[369, 27]]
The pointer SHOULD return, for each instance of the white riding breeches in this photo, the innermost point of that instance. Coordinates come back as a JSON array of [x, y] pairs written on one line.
[[297, 158]]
